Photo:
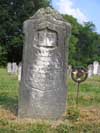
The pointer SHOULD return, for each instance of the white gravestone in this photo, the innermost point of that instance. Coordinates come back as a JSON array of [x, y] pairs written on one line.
[[69, 71], [9, 67], [19, 71], [95, 67], [99, 70], [90, 71], [14, 68]]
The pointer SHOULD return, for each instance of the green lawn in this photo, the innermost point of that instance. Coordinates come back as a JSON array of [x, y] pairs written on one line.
[[84, 119]]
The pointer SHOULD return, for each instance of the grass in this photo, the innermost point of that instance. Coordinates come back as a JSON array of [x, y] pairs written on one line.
[[84, 119], [89, 92]]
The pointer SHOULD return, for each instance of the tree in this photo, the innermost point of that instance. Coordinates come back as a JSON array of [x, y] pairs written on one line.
[[73, 40], [87, 44], [84, 45], [12, 15], [3, 54]]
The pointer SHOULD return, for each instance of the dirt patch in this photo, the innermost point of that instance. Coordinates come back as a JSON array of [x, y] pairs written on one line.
[[90, 114], [6, 114], [86, 115]]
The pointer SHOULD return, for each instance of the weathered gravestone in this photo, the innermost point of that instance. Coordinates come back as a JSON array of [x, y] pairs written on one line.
[[90, 71], [95, 67], [43, 84], [9, 67]]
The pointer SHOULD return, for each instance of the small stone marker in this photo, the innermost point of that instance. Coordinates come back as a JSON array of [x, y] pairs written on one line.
[[19, 71], [95, 67], [99, 70], [69, 71], [90, 71], [14, 68], [43, 85], [9, 68]]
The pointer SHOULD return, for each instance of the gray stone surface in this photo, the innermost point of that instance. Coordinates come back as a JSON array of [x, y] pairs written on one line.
[[90, 71], [69, 70], [14, 68], [9, 67], [19, 71], [43, 85], [99, 70], [95, 67]]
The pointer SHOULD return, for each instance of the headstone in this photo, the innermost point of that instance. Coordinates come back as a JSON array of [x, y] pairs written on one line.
[[69, 71], [99, 70], [9, 68], [90, 71], [19, 71], [43, 84], [95, 67], [14, 68]]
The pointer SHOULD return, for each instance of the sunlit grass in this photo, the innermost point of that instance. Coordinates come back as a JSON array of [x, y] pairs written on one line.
[[84, 119], [89, 94]]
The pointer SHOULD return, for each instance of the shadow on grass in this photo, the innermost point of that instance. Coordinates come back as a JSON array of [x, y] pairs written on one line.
[[9, 102]]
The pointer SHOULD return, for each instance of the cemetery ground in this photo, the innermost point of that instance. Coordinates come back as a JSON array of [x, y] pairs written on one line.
[[84, 119]]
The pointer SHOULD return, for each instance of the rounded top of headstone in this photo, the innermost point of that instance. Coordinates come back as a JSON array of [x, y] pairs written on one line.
[[95, 62], [47, 16], [48, 11]]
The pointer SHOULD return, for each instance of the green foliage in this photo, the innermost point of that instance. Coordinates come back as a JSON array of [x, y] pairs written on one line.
[[3, 56], [88, 44], [12, 15], [84, 47]]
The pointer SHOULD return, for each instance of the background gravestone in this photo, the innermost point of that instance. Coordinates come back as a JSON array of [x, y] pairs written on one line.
[[43, 84], [19, 71], [69, 70], [9, 67], [14, 68], [95, 67], [99, 70], [90, 71]]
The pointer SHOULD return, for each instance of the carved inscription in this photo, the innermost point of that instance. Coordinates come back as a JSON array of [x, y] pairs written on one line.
[[47, 38], [46, 66]]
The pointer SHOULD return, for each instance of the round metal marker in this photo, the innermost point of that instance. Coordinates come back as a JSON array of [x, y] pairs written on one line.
[[79, 74]]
